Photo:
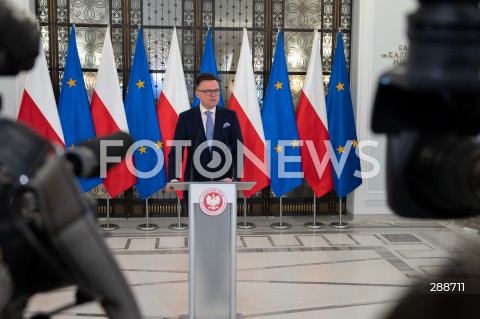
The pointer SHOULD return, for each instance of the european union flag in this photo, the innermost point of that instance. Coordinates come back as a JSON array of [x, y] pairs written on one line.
[[74, 108], [341, 126], [143, 125], [280, 127], [209, 65]]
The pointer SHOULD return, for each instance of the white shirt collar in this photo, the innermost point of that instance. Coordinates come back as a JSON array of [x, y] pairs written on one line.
[[203, 109]]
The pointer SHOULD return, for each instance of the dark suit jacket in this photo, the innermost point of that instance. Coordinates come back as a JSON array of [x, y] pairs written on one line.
[[190, 127]]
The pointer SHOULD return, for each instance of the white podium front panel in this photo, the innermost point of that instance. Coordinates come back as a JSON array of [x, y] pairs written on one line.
[[212, 251], [212, 264]]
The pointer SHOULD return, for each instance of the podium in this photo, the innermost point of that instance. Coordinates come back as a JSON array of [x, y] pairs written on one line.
[[212, 216]]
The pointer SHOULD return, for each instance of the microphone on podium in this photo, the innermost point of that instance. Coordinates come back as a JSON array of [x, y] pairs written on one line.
[[234, 177], [194, 149]]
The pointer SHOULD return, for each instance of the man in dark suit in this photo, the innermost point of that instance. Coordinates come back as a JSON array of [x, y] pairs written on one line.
[[212, 133]]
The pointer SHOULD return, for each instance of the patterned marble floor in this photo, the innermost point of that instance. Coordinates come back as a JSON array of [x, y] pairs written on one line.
[[359, 272]]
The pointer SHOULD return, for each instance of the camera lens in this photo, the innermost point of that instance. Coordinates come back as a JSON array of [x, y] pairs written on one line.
[[444, 174], [444, 47]]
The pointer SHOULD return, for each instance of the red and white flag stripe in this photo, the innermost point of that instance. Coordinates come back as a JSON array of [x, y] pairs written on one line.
[[38, 108], [174, 96], [173, 100], [108, 115], [244, 101], [313, 126]]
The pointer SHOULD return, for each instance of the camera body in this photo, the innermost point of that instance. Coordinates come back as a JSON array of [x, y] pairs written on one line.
[[46, 221], [430, 110], [19, 39]]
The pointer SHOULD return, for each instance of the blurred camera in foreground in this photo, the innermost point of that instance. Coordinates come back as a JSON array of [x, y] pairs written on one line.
[[48, 232], [19, 39], [430, 110]]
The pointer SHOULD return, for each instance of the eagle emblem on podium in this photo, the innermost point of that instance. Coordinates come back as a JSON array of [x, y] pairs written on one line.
[[213, 201]]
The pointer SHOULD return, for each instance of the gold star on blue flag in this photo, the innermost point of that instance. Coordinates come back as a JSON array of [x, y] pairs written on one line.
[[140, 84], [71, 83]]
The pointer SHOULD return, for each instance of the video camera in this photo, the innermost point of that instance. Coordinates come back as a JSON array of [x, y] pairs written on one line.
[[48, 234], [50, 237], [430, 110]]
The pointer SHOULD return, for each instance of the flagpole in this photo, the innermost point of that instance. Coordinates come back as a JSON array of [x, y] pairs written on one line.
[[147, 226], [281, 224], [339, 224], [245, 224], [179, 225], [108, 226], [314, 224]]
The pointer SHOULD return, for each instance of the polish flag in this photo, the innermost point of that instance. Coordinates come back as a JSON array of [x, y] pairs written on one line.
[[108, 115], [38, 108], [244, 101], [313, 126], [173, 98]]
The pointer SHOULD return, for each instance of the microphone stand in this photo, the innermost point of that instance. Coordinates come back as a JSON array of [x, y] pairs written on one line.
[[179, 225], [245, 224], [108, 226], [147, 226]]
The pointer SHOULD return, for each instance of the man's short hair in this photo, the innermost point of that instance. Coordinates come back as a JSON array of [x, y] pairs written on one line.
[[205, 77]]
